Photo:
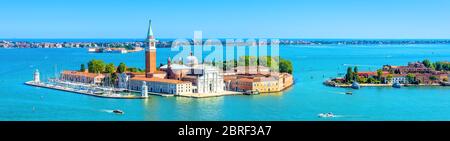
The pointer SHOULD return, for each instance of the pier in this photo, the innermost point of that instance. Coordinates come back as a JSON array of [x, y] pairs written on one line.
[[81, 91]]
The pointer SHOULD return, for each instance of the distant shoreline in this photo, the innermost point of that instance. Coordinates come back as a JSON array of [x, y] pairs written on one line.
[[167, 42]]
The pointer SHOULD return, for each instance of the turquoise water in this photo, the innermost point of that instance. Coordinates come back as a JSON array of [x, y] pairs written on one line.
[[307, 98]]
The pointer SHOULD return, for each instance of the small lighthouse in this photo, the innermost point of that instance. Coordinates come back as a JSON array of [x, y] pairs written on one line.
[[36, 77], [144, 91]]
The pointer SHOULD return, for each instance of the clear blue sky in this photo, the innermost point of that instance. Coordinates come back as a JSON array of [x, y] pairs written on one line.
[[225, 18]]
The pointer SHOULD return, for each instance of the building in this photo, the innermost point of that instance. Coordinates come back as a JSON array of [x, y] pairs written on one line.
[[398, 78], [162, 86], [261, 83], [82, 77], [412, 67], [150, 53], [204, 78], [173, 78]]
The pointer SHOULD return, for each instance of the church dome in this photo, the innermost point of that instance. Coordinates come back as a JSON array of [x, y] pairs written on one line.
[[191, 60]]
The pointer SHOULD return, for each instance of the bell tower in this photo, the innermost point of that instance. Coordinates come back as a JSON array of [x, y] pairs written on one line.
[[150, 52]]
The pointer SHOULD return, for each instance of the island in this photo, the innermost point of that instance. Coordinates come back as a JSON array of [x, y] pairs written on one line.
[[420, 73], [187, 77]]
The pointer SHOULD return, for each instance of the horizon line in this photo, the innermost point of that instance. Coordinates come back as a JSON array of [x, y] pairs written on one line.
[[236, 38]]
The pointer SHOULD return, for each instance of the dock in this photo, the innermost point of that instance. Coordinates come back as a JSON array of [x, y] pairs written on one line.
[[85, 92], [119, 96]]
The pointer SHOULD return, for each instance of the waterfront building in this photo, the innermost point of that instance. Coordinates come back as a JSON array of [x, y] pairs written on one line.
[[412, 67], [204, 78], [122, 81], [82, 77], [261, 83], [162, 86]]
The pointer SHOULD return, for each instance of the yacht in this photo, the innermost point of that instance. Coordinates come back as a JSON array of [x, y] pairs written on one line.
[[326, 115]]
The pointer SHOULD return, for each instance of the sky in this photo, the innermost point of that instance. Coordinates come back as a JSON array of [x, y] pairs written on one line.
[[332, 19]]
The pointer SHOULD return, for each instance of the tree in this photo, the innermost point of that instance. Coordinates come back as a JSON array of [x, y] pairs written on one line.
[[433, 78], [82, 68], [349, 75], [410, 78], [362, 80], [122, 68], [355, 73], [379, 74], [427, 63], [286, 66], [110, 68], [96, 66], [114, 78], [389, 77], [371, 80]]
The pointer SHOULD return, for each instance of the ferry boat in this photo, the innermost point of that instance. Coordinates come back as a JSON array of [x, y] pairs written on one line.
[[396, 85], [355, 85]]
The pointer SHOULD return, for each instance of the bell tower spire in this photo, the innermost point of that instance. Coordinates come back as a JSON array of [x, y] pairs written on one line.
[[150, 52]]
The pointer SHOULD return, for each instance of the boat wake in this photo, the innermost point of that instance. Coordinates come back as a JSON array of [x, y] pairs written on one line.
[[107, 111]]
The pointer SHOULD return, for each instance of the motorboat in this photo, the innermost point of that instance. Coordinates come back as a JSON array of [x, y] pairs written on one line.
[[349, 93], [326, 115], [250, 92], [355, 85], [118, 112], [396, 85]]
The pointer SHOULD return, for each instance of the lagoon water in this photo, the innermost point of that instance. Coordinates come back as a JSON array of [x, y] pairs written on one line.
[[307, 98]]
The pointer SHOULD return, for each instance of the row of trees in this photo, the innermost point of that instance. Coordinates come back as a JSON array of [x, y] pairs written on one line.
[[439, 66], [352, 76], [274, 63], [99, 66]]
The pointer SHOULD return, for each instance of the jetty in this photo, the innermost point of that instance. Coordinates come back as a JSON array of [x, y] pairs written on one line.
[[103, 94]]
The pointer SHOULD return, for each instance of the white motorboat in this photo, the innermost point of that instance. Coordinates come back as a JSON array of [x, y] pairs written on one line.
[[326, 115]]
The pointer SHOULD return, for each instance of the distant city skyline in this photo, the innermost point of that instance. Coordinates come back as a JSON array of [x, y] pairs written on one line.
[[306, 19]]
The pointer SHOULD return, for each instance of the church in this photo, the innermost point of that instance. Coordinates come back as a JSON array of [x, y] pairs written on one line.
[[176, 79]]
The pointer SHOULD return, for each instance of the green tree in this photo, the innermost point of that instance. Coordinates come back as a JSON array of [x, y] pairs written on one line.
[[389, 77], [96, 66], [82, 68], [114, 78], [122, 68], [110, 68], [355, 73], [379, 74], [410, 78], [433, 78], [371, 80], [286, 66], [427, 63], [362, 80], [349, 75]]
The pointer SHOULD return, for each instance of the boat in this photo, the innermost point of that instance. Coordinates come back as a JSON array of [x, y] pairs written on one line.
[[396, 85], [326, 115], [349, 93], [355, 85], [249, 92], [118, 112]]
